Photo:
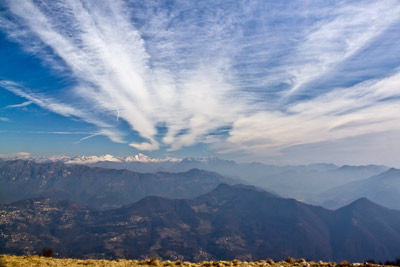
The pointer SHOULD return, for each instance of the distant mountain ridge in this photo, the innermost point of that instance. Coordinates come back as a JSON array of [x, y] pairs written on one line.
[[229, 222], [93, 159], [98, 187], [383, 189], [306, 183]]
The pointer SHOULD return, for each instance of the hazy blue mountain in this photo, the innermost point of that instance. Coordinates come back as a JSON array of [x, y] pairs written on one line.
[[300, 182], [226, 167], [143, 167], [383, 189], [229, 222], [99, 187], [304, 182]]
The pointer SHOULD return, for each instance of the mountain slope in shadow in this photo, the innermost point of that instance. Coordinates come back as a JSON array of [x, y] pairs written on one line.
[[229, 222]]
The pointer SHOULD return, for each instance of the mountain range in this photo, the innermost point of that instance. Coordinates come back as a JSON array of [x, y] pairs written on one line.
[[229, 222], [307, 183], [99, 188], [90, 159], [316, 184], [383, 189]]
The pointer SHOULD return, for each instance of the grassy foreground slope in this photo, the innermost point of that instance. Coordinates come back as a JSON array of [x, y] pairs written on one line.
[[16, 261]]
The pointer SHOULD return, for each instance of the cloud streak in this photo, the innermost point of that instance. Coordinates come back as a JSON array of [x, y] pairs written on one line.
[[107, 57], [4, 119], [367, 108], [332, 41], [61, 108], [24, 104], [50, 132], [175, 75]]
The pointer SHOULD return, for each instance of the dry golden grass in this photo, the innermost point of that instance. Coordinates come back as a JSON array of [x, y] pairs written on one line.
[[16, 261]]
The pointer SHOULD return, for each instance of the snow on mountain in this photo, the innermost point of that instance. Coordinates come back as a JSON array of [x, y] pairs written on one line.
[[140, 158], [146, 159], [205, 159], [50, 159], [110, 158], [91, 159]]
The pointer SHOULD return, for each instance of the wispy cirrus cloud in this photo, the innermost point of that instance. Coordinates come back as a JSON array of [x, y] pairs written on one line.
[[4, 119], [238, 76], [106, 55], [49, 132], [367, 108], [21, 105], [335, 39], [62, 109]]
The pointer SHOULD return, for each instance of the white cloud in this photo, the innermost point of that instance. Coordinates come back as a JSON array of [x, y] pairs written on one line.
[[4, 119], [47, 132], [62, 109], [194, 71], [24, 104], [145, 146], [343, 113], [334, 40], [106, 54]]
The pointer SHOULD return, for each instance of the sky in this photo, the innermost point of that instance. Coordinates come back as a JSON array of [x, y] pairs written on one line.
[[282, 82]]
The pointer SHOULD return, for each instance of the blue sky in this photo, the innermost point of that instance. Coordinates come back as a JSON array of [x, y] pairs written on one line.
[[271, 81]]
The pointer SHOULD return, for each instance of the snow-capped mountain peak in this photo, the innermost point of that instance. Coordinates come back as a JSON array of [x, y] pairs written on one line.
[[146, 159], [92, 159], [138, 158]]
